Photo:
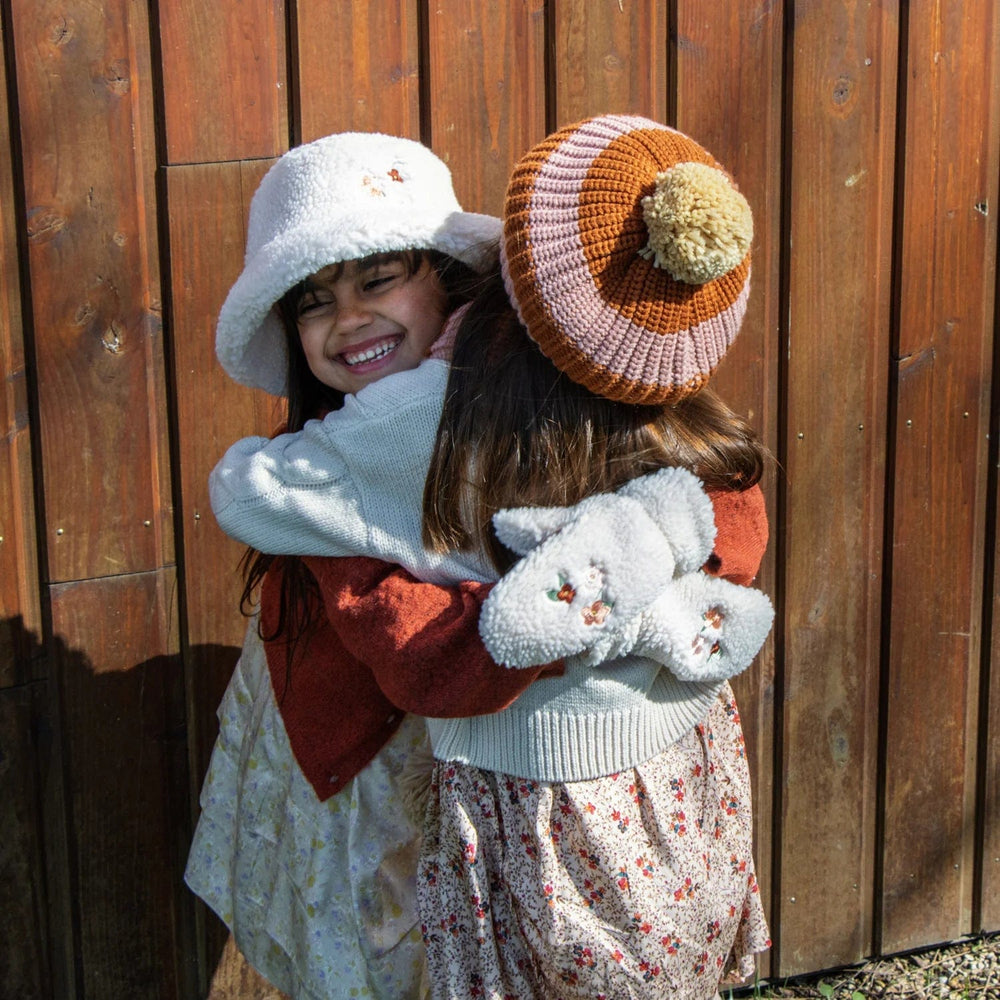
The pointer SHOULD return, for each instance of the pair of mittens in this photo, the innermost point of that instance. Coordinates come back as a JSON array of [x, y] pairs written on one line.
[[590, 568]]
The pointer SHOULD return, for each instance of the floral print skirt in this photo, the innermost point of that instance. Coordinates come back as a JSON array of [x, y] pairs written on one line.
[[640, 884]]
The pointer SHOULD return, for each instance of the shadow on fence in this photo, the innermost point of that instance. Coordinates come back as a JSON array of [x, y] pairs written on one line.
[[99, 772]]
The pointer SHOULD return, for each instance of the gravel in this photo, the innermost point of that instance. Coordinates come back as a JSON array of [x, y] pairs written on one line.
[[965, 970]]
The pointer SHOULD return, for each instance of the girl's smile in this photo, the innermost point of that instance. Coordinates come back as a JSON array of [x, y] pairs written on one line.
[[368, 356], [363, 320]]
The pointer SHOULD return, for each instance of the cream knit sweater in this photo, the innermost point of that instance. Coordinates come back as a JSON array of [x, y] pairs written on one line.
[[352, 484]]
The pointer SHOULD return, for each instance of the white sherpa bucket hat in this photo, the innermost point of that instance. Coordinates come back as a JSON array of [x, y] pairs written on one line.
[[336, 199]]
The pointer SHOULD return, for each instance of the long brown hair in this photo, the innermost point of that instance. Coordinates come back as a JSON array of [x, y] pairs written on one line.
[[308, 398], [515, 431]]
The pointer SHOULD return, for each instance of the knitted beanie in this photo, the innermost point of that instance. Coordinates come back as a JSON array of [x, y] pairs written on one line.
[[626, 252], [340, 198]]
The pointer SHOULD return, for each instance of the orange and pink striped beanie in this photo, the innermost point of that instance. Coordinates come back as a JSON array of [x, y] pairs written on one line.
[[626, 252]]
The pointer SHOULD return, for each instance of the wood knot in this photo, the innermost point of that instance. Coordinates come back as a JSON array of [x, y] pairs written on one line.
[[44, 225]]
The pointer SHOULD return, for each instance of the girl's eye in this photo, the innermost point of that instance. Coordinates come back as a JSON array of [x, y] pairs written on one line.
[[380, 281], [311, 306]]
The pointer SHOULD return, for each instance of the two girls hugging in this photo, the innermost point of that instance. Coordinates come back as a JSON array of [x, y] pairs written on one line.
[[509, 528]]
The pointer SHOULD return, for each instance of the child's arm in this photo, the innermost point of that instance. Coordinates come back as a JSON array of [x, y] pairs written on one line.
[[420, 640], [277, 495], [572, 594], [741, 534], [350, 484]]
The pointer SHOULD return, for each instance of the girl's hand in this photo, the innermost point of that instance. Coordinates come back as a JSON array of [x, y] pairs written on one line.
[[705, 629], [592, 567], [618, 574]]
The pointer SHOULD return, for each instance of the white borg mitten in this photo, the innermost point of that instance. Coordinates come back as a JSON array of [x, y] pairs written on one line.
[[703, 628], [594, 566], [599, 561], [676, 500]]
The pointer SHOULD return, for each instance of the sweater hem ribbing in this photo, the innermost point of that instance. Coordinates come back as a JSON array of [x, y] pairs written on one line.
[[561, 747]]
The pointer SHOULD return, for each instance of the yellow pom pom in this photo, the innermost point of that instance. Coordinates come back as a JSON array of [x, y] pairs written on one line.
[[700, 226]]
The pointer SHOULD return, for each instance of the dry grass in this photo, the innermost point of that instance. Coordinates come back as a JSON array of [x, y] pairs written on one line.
[[965, 970]]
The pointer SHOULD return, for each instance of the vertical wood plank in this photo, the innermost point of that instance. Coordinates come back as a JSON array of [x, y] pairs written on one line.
[[840, 206], [20, 613], [123, 730], [24, 970], [358, 68], [947, 257], [487, 92], [225, 88], [207, 206], [610, 57], [729, 84], [989, 887], [85, 114], [207, 209]]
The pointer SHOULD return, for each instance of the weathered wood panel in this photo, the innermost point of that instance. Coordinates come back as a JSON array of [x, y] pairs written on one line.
[[989, 809], [840, 221], [122, 690], [486, 92], [20, 613], [85, 115], [207, 210], [729, 79], [358, 68], [610, 55], [225, 85], [25, 970], [207, 207], [942, 371]]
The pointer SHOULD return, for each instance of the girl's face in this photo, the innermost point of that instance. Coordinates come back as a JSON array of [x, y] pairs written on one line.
[[363, 320]]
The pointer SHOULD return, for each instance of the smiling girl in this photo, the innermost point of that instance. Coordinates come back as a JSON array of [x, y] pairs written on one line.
[[357, 250], [364, 319]]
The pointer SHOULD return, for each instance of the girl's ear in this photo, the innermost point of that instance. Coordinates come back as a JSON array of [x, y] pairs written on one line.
[[521, 529]]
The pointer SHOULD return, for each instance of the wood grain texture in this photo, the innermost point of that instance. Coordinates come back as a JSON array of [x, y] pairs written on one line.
[[947, 258], [85, 115], [20, 611], [207, 207], [358, 67], [841, 189], [729, 83], [225, 87], [207, 211], [486, 92], [121, 683], [611, 56]]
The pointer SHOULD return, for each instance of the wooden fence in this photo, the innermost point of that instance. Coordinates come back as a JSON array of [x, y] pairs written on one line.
[[867, 138]]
